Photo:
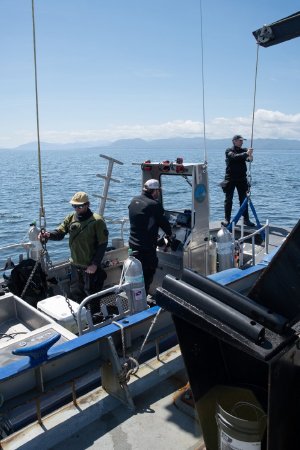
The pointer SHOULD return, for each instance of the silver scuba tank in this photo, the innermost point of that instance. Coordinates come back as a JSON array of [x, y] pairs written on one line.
[[212, 255], [133, 274], [36, 246], [225, 249]]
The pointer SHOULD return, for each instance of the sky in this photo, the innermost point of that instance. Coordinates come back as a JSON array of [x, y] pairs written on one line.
[[149, 69]]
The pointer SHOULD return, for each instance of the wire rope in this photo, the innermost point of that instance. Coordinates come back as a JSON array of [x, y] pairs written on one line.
[[254, 96], [42, 210], [249, 176]]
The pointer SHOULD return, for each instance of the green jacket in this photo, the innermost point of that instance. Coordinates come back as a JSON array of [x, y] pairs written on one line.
[[85, 237]]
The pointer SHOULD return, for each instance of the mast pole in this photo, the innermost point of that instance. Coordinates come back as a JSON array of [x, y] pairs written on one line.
[[203, 90]]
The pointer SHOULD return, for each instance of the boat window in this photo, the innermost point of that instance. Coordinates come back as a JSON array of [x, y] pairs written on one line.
[[176, 192]]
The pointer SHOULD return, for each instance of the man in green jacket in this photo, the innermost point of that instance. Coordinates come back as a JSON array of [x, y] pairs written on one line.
[[88, 237]]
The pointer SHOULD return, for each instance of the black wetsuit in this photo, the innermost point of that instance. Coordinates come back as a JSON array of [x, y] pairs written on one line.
[[235, 177], [146, 216]]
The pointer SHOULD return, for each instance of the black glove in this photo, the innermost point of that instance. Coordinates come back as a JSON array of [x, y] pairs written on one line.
[[43, 237], [173, 242]]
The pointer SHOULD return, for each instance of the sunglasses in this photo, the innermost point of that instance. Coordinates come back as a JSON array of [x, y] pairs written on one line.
[[79, 206]]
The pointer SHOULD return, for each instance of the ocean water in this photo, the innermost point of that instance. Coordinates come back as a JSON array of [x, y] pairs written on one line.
[[274, 193]]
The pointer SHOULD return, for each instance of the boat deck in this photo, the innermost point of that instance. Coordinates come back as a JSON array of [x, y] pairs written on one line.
[[98, 420], [156, 423]]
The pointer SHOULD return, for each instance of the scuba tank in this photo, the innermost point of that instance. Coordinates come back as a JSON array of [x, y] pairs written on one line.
[[212, 255], [237, 255], [225, 249], [133, 273], [36, 246]]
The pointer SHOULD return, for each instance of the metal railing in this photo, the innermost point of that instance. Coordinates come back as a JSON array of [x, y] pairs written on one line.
[[111, 290], [239, 242], [24, 245]]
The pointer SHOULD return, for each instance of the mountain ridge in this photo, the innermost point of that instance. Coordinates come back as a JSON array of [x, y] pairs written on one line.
[[167, 143]]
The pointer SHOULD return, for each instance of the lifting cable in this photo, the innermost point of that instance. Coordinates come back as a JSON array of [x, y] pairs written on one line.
[[249, 176], [203, 91], [42, 210]]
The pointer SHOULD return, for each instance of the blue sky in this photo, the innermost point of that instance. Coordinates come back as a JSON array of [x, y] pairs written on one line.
[[132, 69]]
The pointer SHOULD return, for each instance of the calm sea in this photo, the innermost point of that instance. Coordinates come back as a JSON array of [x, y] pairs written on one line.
[[275, 187]]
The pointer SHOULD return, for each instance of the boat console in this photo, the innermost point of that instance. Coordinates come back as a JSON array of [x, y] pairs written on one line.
[[189, 218]]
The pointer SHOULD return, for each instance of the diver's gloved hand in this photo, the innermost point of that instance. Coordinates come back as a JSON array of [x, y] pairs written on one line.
[[161, 242], [43, 235], [173, 242], [164, 241], [169, 242]]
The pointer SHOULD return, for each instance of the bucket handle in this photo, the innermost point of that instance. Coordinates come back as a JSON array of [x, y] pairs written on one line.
[[256, 408]]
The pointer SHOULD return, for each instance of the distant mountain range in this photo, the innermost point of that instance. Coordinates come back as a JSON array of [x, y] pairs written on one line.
[[179, 143]]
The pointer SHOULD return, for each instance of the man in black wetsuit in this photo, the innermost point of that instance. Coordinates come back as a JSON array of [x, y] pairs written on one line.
[[236, 177], [146, 216]]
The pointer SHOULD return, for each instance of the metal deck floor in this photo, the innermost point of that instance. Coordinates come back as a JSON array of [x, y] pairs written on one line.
[[98, 420], [156, 424]]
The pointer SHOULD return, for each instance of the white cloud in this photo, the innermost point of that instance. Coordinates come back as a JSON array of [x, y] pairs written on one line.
[[267, 124]]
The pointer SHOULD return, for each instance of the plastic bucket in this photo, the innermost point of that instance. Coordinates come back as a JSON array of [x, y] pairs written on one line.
[[241, 429]]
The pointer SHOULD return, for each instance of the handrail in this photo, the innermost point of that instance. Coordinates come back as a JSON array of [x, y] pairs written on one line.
[[252, 237], [91, 297], [21, 244], [25, 245], [122, 222]]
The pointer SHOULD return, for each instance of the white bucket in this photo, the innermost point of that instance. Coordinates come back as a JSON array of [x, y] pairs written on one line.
[[243, 429]]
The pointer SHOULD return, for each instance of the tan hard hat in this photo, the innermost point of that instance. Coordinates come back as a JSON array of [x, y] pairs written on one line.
[[79, 198]]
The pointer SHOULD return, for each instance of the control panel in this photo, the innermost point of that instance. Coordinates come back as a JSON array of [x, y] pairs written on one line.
[[181, 229]]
